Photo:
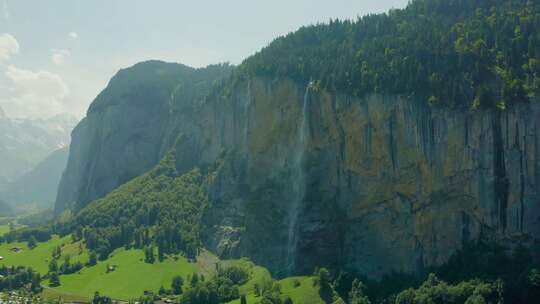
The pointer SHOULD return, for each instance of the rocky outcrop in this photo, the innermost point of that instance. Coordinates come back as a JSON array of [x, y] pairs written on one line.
[[301, 178]]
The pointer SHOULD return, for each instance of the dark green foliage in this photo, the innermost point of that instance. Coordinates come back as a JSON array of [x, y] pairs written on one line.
[[243, 299], [323, 279], [161, 253], [32, 242], [149, 255], [54, 279], [288, 300], [176, 285], [222, 288], [162, 291], [101, 299], [204, 293], [491, 262], [449, 52], [57, 252], [18, 277], [41, 234], [53, 266], [434, 290], [92, 259], [158, 81], [160, 207], [272, 295], [236, 274], [510, 274], [194, 280], [68, 268]]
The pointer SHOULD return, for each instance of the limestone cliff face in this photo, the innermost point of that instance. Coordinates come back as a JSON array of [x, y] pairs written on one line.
[[386, 183], [302, 178], [128, 128]]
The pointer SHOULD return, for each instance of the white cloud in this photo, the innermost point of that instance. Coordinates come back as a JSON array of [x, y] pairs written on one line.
[[34, 94], [73, 35], [59, 56], [8, 47]]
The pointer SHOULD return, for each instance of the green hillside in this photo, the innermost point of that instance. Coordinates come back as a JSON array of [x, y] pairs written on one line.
[[38, 258], [160, 208], [131, 277]]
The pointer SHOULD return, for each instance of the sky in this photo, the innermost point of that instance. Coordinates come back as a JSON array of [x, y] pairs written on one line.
[[57, 55]]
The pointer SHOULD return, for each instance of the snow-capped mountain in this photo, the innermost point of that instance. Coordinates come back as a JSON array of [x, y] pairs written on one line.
[[26, 142]]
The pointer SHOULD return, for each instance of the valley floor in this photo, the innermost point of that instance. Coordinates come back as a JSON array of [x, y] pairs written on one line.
[[132, 277]]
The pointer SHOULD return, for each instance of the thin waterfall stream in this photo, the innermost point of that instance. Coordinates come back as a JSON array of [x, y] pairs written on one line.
[[299, 184]]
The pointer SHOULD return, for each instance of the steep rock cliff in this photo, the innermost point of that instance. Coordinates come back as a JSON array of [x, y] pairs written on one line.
[[304, 178], [129, 127]]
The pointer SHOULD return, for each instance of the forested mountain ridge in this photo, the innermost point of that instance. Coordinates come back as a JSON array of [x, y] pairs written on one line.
[[328, 148], [161, 208], [456, 53]]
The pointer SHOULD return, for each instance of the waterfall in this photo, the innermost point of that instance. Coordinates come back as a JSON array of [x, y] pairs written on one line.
[[299, 183]]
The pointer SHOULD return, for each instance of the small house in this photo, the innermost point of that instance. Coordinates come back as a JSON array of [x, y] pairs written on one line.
[[16, 249]]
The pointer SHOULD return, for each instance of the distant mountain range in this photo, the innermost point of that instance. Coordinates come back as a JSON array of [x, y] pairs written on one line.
[[38, 186], [24, 143]]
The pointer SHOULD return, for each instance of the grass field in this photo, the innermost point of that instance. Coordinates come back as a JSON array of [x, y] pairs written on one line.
[[130, 279], [303, 292], [132, 276], [51, 294], [37, 258]]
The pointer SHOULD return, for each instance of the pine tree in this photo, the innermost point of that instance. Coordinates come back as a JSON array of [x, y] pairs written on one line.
[[32, 242], [92, 259], [177, 284], [53, 266], [54, 279]]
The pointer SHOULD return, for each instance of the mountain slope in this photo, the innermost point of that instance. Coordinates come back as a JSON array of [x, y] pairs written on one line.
[[366, 166], [160, 207], [24, 143], [141, 102], [38, 186]]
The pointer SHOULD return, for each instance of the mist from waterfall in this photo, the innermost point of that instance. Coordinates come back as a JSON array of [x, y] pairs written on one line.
[[299, 184]]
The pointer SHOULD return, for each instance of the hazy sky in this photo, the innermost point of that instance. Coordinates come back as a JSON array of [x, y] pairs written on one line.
[[57, 55]]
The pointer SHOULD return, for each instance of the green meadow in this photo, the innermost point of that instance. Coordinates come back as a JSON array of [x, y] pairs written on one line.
[[300, 289], [132, 276], [38, 258]]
